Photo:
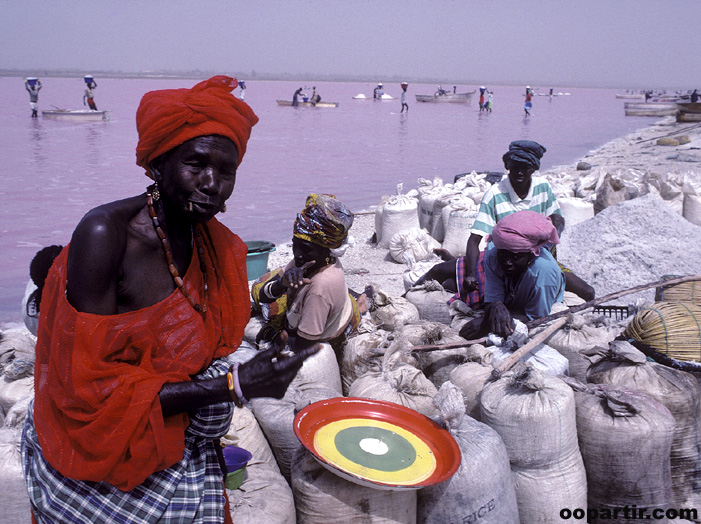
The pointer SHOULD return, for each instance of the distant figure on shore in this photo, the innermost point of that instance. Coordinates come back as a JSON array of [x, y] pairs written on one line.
[[694, 96], [90, 95], [482, 91], [297, 94], [242, 86], [455, 89], [377, 92], [551, 92], [315, 97], [403, 99], [648, 95], [529, 104], [490, 102], [33, 85]]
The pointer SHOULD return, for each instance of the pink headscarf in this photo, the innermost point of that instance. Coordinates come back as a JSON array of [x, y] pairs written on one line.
[[167, 118], [524, 231]]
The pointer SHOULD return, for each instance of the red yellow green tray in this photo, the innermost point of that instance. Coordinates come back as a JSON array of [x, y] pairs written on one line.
[[377, 444]]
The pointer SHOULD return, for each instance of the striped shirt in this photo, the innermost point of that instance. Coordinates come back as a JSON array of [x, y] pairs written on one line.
[[501, 200]]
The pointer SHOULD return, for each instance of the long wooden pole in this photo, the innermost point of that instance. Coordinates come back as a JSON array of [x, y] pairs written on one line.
[[612, 296]]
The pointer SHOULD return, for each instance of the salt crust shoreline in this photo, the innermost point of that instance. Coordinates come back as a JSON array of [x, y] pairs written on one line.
[[367, 264]]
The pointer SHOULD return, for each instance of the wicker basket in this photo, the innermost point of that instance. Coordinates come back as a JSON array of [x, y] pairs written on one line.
[[671, 328], [685, 292]]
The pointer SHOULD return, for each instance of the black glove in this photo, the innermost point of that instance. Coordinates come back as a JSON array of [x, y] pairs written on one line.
[[269, 373], [177, 397]]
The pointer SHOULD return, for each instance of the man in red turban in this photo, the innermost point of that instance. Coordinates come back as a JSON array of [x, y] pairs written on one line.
[[133, 387]]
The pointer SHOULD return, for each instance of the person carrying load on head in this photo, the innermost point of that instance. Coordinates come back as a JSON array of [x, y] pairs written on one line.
[[403, 99], [521, 276], [33, 86], [308, 300], [138, 314]]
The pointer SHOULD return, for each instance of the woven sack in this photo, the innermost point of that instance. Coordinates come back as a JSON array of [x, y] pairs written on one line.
[[471, 377], [623, 366], [534, 414], [625, 439], [362, 353], [671, 328], [16, 508], [391, 313], [412, 245], [482, 490], [429, 191], [457, 230], [431, 300], [399, 213]]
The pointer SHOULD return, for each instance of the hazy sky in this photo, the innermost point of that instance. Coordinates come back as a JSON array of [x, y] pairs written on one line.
[[607, 43]]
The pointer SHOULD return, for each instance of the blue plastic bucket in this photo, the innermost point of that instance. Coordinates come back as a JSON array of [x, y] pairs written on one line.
[[257, 257], [305, 98], [88, 79], [32, 81]]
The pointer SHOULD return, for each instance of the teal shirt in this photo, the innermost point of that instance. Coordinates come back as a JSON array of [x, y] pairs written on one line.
[[540, 286]]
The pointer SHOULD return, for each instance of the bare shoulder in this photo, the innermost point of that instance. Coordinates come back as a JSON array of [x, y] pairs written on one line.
[[96, 253]]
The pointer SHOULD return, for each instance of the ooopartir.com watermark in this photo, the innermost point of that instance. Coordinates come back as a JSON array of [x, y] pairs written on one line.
[[629, 512]]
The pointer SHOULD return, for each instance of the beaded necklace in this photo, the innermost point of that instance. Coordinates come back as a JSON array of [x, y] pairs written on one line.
[[169, 258]]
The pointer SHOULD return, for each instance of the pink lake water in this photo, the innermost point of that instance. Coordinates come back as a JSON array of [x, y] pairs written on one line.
[[55, 171]]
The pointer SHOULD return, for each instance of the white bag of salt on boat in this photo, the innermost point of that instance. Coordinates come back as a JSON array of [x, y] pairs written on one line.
[[624, 366], [397, 382], [534, 413], [265, 495], [625, 438], [431, 300], [457, 230], [482, 490], [429, 191], [323, 497], [436, 364], [319, 378], [400, 212], [412, 245], [472, 376], [16, 508], [391, 313], [581, 332]]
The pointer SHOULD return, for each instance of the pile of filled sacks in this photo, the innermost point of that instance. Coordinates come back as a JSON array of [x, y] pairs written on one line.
[[582, 421]]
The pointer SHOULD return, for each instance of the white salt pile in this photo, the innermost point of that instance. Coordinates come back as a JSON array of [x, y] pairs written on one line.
[[632, 243]]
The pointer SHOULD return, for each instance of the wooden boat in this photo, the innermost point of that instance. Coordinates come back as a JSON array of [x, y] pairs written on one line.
[[77, 115], [689, 112], [322, 103], [650, 108], [630, 96], [450, 98]]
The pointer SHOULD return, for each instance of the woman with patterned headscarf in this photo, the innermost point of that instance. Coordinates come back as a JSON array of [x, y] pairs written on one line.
[[308, 300]]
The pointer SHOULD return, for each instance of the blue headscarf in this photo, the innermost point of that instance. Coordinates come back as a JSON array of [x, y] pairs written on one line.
[[525, 151]]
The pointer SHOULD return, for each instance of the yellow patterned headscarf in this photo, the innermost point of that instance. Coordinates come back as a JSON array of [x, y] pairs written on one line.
[[325, 221]]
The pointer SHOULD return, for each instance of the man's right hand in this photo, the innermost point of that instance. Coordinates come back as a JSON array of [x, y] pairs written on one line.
[[500, 321], [269, 373]]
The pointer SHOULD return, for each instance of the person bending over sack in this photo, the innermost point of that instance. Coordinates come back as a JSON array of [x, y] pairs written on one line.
[[519, 191], [139, 311], [308, 300], [521, 276]]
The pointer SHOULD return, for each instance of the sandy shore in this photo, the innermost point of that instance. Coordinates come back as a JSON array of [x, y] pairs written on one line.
[[367, 264]]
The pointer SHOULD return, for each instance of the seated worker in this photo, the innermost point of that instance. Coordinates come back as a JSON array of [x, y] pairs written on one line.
[[520, 190], [521, 276], [132, 387], [308, 300]]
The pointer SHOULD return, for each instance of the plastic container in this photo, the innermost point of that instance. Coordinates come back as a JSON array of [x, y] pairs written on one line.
[[88, 79], [305, 98], [235, 459], [32, 81], [257, 257]]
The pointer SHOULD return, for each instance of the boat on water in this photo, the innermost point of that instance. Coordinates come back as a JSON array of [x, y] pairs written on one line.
[[77, 115], [451, 98], [650, 108], [630, 96], [689, 112], [383, 96], [321, 103]]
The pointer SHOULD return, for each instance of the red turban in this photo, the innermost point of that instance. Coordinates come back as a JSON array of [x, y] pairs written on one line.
[[524, 231], [168, 117]]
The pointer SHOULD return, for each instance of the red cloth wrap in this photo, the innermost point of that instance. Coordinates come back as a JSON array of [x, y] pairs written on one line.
[[167, 118], [97, 377], [524, 231]]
